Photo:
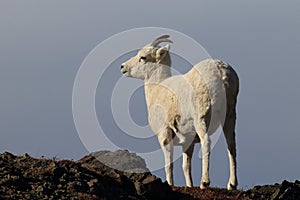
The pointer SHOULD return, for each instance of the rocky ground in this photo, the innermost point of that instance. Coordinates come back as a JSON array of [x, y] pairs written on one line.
[[24, 177]]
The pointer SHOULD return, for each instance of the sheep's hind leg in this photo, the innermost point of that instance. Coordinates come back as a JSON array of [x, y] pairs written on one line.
[[201, 129], [186, 163], [205, 148], [229, 132], [166, 142]]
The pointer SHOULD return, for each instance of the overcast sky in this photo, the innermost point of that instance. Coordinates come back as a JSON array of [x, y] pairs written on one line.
[[43, 43]]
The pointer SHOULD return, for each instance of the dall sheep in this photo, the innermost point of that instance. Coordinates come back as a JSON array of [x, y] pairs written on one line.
[[185, 108]]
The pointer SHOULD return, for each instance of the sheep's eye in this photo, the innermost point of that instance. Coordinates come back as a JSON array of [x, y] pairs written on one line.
[[143, 58]]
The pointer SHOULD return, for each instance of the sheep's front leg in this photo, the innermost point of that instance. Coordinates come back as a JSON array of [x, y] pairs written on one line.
[[166, 143], [168, 154], [186, 163]]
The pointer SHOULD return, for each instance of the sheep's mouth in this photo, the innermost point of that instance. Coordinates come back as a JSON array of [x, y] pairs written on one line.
[[124, 72]]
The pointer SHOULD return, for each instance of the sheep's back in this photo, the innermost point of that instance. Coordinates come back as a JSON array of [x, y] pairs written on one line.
[[208, 90]]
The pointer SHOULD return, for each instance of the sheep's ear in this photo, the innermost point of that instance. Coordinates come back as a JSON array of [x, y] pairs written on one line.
[[164, 48], [167, 47], [162, 52]]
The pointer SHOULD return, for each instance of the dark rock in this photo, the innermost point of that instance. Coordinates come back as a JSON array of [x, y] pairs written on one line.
[[58, 172], [286, 184], [284, 191]]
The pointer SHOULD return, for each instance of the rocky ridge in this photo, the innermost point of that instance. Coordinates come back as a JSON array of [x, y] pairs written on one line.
[[25, 177]]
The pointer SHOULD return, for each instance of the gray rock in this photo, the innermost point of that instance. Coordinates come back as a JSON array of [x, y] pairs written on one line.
[[122, 160]]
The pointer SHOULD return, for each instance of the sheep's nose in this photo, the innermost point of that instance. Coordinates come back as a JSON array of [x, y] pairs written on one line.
[[122, 66]]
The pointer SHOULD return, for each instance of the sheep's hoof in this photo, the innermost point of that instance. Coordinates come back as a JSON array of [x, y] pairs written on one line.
[[204, 185], [231, 186], [171, 183], [189, 185]]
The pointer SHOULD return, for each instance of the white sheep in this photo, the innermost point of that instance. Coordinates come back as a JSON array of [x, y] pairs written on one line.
[[184, 108]]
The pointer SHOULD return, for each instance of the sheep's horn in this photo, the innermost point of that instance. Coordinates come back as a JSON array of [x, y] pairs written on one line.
[[161, 39]]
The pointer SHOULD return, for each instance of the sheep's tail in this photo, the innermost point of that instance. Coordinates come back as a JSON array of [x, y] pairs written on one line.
[[229, 77]]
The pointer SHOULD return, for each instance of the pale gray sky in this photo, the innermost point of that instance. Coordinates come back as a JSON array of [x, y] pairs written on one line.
[[43, 43]]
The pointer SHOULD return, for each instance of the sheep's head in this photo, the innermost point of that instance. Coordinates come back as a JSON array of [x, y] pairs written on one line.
[[151, 53]]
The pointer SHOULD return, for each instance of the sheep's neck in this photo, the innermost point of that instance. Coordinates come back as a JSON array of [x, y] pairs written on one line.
[[152, 84], [158, 75]]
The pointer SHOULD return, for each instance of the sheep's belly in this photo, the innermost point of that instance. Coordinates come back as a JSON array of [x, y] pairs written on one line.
[[186, 126], [189, 134]]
